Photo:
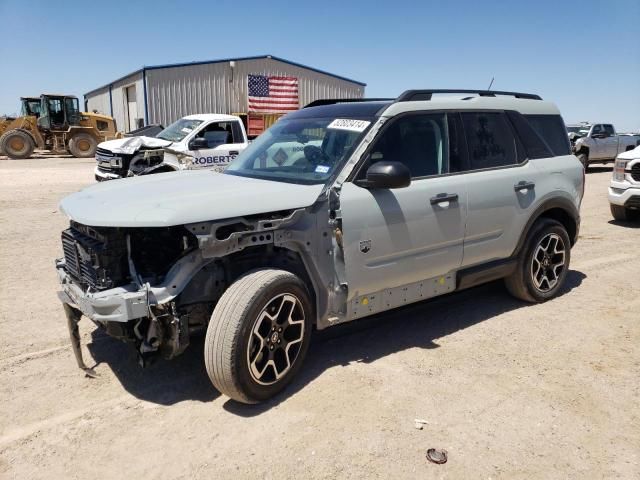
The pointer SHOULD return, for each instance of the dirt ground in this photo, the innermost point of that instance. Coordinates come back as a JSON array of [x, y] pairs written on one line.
[[509, 390]]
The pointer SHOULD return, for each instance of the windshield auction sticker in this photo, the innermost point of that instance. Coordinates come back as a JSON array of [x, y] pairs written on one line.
[[348, 124]]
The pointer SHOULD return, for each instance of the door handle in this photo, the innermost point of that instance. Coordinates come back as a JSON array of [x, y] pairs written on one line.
[[444, 197], [234, 152], [523, 185]]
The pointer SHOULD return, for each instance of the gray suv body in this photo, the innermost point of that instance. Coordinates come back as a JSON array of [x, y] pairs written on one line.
[[339, 211]]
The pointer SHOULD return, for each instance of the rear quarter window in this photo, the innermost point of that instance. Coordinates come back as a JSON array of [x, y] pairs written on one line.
[[551, 128]]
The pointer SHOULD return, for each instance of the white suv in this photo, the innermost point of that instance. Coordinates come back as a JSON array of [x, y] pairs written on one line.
[[339, 211], [624, 191]]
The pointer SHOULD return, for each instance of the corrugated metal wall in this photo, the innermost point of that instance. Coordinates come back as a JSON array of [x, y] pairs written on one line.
[[99, 100], [209, 88], [120, 100]]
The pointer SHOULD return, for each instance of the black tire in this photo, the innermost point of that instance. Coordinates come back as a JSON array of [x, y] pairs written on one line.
[[17, 144], [623, 214], [83, 145], [241, 319], [522, 283], [584, 160]]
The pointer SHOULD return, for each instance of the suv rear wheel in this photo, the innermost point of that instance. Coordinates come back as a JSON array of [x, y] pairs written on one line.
[[543, 263], [258, 335]]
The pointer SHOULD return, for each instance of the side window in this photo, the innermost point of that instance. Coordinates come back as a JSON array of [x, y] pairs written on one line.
[[490, 140], [417, 140], [608, 129], [597, 129], [551, 128], [217, 133]]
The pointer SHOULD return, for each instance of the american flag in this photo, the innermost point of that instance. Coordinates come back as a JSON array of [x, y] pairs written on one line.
[[268, 94]]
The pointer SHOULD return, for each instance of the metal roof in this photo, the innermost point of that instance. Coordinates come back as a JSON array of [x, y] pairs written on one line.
[[222, 60]]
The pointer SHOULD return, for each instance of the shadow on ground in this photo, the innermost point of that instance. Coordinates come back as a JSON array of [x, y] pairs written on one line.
[[600, 168], [414, 326], [627, 224], [165, 381]]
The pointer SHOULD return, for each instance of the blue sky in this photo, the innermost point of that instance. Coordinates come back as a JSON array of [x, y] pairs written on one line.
[[583, 55]]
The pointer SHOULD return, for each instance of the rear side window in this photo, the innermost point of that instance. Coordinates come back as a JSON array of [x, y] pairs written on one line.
[[608, 129], [551, 128], [490, 140], [534, 144]]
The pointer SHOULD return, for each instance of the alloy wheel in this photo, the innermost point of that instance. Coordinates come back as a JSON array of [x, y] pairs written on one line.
[[548, 262], [276, 339]]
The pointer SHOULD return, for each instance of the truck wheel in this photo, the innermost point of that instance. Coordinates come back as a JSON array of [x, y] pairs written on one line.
[[543, 263], [17, 144], [623, 214], [584, 160], [258, 335], [83, 145]]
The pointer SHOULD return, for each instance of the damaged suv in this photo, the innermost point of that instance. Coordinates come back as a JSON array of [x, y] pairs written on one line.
[[339, 211]]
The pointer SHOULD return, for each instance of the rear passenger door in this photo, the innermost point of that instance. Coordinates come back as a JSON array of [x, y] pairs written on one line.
[[500, 187]]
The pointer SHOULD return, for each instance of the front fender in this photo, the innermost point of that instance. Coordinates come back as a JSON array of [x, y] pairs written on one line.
[[174, 160], [582, 145]]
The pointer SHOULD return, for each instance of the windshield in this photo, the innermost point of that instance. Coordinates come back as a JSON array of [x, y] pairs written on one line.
[[580, 130], [178, 130], [304, 150], [31, 107]]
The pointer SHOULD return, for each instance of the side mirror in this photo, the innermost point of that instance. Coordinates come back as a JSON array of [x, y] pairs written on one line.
[[598, 135], [387, 175], [198, 144]]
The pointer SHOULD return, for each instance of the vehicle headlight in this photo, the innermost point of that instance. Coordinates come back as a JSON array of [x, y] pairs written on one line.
[[115, 162], [618, 169]]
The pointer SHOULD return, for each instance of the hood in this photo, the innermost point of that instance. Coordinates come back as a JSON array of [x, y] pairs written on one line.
[[178, 198], [630, 154], [130, 145]]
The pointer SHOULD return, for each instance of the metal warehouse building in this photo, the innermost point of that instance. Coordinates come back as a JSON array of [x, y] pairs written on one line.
[[162, 94]]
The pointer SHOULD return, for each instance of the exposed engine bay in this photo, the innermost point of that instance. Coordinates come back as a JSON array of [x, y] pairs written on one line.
[[143, 261]]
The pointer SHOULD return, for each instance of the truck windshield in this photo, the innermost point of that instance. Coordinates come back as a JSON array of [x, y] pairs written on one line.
[[303, 151], [581, 130], [178, 130]]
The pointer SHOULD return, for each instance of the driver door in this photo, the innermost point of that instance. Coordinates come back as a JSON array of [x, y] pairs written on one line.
[[225, 142], [397, 237]]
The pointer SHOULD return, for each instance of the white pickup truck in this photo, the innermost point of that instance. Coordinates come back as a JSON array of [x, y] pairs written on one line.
[[200, 141], [598, 142]]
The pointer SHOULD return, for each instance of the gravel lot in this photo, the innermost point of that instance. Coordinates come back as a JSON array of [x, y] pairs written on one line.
[[509, 390]]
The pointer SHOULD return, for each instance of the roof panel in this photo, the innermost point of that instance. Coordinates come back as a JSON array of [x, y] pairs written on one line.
[[222, 60]]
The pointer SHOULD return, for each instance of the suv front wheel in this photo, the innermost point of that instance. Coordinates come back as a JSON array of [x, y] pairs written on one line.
[[543, 263], [258, 335]]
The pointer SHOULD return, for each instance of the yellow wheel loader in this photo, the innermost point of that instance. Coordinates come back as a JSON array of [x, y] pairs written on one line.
[[54, 123]]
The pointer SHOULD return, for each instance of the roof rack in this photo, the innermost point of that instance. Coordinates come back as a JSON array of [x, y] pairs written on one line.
[[332, 101], [413, 95]]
